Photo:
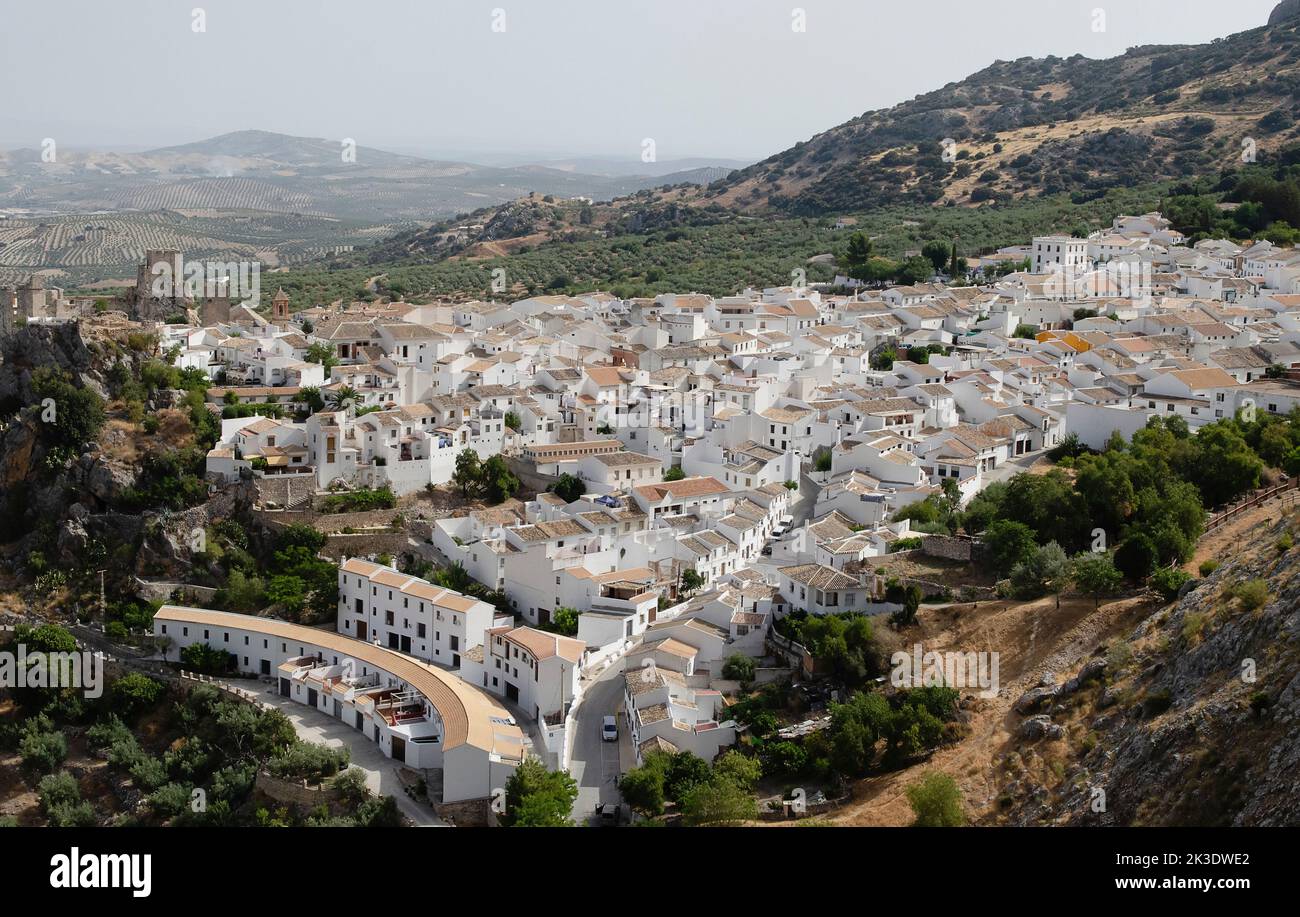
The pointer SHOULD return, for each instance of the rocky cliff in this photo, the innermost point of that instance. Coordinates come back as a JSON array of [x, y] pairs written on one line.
[[1191, 720], [70, 507]]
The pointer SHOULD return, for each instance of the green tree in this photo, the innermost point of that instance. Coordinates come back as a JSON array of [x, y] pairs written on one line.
[[643, 789], [42, 751], [936, 801], [342, 397], [1008, 544], [289, 592], [718, 802], [1168, 580], [742, 770], [322, 352], [1226, 466], [1046, 571], [1136, 556], [498, 482], [682, 772], [454, 577], [568, 488], [675, 473], [915, 270], [468, 472], [739, 667], [939, 253], [691, 581], [539, 798], [1095, 574], [564, 621], [70, 415], [855, 260], [133, 693]]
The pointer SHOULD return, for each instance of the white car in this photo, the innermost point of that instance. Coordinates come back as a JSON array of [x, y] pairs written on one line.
[[609, 729]]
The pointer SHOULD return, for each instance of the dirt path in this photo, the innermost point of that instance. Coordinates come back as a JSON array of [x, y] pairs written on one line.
[[1224, 540]]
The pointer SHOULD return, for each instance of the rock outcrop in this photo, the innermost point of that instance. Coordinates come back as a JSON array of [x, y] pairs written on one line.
[[1194, 719], [1287, 9]]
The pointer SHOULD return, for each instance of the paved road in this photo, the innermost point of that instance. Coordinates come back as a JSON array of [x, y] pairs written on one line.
[[381, 773], [1011, 467], [594, 763], [805, 500]]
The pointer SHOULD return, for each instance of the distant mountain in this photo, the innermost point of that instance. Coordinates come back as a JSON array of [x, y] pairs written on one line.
[[260, 170], [615, 168], [282, 149], [224, 195]]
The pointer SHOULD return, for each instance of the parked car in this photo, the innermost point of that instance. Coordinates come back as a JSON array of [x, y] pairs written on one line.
[[611, 814], [609, 729]]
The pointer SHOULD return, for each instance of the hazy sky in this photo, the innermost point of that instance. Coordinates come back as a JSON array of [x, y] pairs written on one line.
[[727, 78]]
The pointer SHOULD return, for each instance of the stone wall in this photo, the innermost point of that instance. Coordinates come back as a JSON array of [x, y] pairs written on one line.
[[293, 792], [530, 479], [468, 813], [328, 522], [338, 546], [285, 489], [948, 547], [150, 590]]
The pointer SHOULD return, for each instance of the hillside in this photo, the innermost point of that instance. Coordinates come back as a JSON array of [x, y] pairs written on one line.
[[1039, 146], [1188, 718], [1039, 126], [90, 215]]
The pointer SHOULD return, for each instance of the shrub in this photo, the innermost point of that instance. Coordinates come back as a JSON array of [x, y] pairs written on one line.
[[1208, 566], [309, 761], [936, 802], [1119, 656], [1193, 624], [134, 692], [1252, 594], [209, 660], [1168, 580], [43, 751], [719, 801], [739, 667]]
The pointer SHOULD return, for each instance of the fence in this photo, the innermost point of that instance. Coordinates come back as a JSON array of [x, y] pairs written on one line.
[[1255, 499]]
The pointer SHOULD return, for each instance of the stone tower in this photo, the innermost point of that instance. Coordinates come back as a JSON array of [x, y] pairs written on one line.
[[145, 305], [31, 297], [280, 307], [216, 310]]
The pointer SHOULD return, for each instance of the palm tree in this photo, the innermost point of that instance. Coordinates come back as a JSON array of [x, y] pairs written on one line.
[[343, 396]]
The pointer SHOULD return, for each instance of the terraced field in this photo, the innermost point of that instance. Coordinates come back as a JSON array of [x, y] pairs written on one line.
[[86, 249]]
